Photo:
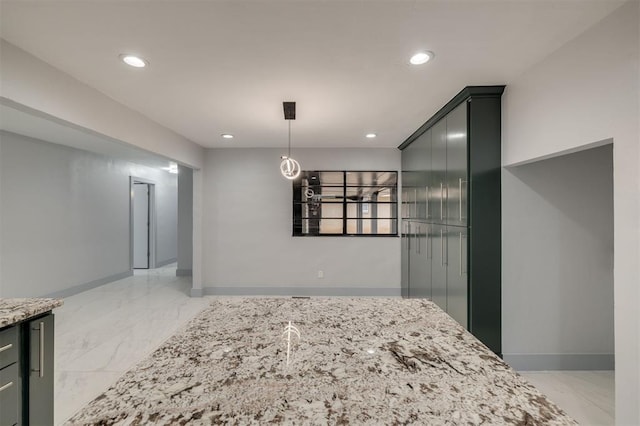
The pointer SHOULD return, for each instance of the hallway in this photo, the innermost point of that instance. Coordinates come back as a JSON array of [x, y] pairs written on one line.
[[103, 332]]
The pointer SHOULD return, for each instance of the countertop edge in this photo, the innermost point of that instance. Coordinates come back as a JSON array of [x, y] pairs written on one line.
[[14, 311]]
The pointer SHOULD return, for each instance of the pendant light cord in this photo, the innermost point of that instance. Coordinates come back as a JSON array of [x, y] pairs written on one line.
[[289, 154]]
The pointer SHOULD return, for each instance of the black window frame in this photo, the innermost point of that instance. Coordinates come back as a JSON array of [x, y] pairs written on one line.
[[298, 203]]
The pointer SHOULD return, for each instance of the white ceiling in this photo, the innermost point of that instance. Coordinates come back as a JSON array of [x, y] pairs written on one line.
[[25, 121], [225, 67]]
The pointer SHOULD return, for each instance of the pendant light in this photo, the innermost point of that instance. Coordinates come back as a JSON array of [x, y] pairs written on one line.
[[289, 167]]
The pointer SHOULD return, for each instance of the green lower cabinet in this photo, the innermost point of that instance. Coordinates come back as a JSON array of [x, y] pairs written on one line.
[[26, 372], [9, 402], [39, 406]]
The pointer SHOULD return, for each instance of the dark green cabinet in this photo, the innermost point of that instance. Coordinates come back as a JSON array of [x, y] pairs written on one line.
[[26, 372], [451, 249], [39, 393], [10, 376]]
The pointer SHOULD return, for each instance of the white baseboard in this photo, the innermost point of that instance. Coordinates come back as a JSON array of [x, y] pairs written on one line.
[[550, 362]]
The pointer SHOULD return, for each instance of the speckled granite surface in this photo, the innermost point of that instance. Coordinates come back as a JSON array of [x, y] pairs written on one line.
[[358, 361], [13, 311]]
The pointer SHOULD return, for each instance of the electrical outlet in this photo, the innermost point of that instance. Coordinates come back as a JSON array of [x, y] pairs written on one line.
[[320, 274]]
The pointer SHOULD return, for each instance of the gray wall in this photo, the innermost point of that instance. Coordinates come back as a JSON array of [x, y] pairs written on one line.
[[185, 221], [247, 226], [65, 217], [558, 262]]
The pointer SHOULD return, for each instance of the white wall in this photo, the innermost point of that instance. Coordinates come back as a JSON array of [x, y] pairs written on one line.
[[559, 265], [588, 91], [32, 82], [65, 217], [166, 191], [185, 221], [247, 222]]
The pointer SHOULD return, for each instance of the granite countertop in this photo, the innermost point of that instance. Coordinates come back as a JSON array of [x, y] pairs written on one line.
[[13, 311], [359, 361]]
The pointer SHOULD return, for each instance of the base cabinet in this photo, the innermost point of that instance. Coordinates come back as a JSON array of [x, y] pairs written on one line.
[[39, 393], [26, 372], [9, 406]]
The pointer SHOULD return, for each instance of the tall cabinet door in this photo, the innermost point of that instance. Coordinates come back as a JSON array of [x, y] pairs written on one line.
[[40, 402], [457, 291], [404, 257], [422, 154], [438, 243], [457, 166], [407, 182], [438, 181], [419, 263]]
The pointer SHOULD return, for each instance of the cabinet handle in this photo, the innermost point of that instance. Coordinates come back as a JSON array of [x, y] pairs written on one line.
[[408, 237], [6, 347], [460, 253], [416, 234], [429, 248], [41, 352], [41, 349], [427, 201], [460, 196], [441, 249], [7, 386], [441, 199]]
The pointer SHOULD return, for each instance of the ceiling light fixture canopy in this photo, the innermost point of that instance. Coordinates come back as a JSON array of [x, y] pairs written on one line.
[[134, 61], [422, 57], [289, 167]]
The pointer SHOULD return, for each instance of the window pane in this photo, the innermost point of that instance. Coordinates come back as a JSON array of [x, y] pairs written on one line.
[[322, 178], [372, 178], [371, 226], [370, 205], [371, 193], [322, 193], [371, 210]]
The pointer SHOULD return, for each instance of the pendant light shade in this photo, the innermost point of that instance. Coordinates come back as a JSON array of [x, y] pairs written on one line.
[[289, 167]]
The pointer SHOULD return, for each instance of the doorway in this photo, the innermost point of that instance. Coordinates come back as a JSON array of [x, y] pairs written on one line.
[[142, 222]]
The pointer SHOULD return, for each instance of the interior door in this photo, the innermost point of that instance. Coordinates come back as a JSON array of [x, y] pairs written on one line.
[[457, 166], [141, 225], [438, 243], [457, 288]]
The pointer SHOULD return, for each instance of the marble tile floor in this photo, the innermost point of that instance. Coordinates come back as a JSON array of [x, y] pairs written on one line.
[[103, 332], [587, 396]]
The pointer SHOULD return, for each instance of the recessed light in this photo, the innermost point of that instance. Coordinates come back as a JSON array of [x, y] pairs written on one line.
[[370, 135], [421, 57], [134, 61], [173, 168], [456, 135], [227, 135]]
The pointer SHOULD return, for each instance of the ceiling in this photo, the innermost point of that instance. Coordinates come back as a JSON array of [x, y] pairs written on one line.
[[19, 119], [226, 66]]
